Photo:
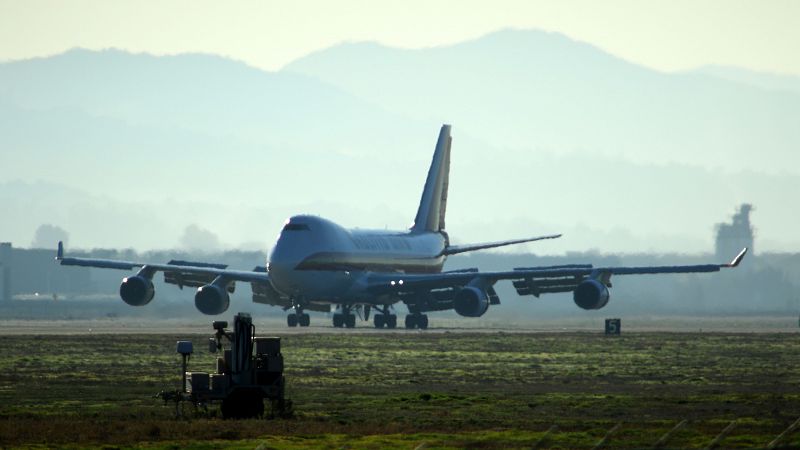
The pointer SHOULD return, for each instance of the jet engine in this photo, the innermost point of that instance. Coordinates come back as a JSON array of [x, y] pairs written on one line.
[[471, 301], [591, 294], [212, 299], [136, 290]]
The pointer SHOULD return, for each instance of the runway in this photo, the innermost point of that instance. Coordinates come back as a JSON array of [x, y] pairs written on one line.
[[321, 324]]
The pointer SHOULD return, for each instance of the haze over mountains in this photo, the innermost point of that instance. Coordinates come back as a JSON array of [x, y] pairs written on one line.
[[127, 150], [543, 91]]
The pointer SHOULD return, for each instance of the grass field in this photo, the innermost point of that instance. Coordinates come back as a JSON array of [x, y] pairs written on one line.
[[407, 389]]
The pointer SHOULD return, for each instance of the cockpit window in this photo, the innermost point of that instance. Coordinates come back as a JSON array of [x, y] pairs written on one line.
[[295, 227]]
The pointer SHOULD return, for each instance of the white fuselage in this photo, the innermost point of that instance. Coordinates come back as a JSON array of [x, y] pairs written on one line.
[[317, 260]]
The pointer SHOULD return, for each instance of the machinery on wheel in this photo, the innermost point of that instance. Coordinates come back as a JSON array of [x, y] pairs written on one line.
[[249, 373]]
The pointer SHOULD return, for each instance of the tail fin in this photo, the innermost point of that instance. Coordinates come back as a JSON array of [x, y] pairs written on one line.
[[432, 205]]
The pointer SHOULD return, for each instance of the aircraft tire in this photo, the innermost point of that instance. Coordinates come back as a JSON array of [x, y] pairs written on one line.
[[380, 320], [411, 321], [304, 320], [338, 320], [291, 320], [422, 322], [350, 321], [391, 321]]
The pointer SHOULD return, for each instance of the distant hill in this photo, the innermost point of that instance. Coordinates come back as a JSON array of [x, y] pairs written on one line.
[[161, 122], [770, 81], [534, 90], [201, 93]]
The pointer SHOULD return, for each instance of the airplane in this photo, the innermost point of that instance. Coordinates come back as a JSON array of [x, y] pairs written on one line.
[[318, 265]]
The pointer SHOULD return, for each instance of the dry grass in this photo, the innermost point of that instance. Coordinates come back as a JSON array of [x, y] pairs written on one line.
[[371, 390]]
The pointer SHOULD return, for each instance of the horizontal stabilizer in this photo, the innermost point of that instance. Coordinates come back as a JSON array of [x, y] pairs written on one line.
[[454, 249]]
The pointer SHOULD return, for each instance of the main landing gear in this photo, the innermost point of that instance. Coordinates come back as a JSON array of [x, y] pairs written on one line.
[[385, 319], [298, 318], [416, 320], [344, 318]]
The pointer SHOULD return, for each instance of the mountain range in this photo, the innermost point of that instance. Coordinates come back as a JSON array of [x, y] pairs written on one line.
[[551, 134], [530, 90]]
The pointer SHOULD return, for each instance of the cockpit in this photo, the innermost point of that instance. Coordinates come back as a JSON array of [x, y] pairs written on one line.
[[292, 226]]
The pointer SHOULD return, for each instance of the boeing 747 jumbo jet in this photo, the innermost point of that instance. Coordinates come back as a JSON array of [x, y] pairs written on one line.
[[318, 265]]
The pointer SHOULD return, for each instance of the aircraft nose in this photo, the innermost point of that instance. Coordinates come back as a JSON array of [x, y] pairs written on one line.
[[282, 261], [280, 275], [279, 267]]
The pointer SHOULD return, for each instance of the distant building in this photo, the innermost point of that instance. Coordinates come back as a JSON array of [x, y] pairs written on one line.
[[5, 271], [27, 271], [732, 237]]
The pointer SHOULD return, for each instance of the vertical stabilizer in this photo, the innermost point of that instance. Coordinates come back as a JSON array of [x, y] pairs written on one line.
[[432, 205]]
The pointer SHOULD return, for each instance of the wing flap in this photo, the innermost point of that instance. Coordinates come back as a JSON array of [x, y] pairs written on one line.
[[265, 294], [537, 286], [191, 279]]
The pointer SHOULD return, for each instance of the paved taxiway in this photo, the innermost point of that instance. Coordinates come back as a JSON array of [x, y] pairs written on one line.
[[321, 325]]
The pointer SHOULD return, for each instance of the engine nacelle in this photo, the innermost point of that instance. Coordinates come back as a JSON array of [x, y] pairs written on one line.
[[136, 290], [591, 294], [471, 301], [212, 299]]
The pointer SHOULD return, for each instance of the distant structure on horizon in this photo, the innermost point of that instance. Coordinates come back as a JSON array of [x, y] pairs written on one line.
[[732, 237], [5, 271]]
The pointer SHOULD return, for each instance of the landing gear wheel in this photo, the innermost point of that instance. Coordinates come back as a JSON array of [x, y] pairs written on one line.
[[411, 321], [338, 320], [291, 320], [422, 322], [380, 320], [304, 320], [391, 321], [350, 321]]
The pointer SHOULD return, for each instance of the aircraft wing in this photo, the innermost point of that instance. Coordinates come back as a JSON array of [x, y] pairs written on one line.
[[182, 273], [527, 281]]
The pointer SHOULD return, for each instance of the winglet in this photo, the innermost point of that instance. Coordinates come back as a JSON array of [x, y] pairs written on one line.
[[737, 259], [60, 253]]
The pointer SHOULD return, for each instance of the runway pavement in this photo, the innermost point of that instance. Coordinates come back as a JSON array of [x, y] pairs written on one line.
[[322, 324]]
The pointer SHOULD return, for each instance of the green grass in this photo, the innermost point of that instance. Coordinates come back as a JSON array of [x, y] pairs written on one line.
[[400, 390]]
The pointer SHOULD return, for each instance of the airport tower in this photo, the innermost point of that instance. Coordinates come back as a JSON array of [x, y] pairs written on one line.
[[732, 237]]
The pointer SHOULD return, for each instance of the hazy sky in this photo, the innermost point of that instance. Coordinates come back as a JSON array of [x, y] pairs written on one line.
[[666, 35]]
